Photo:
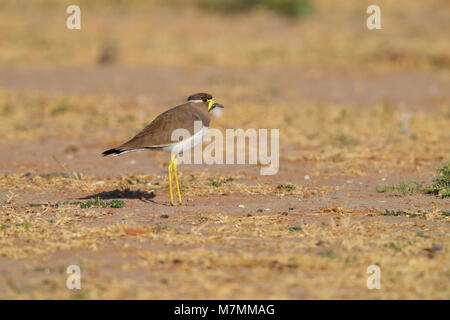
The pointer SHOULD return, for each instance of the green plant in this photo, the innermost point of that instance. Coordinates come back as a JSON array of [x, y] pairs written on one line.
[[440, 185], [421, 234], [100, 203], [26, 225], [290, 8], [217, 183], [346, 140], [137, 181], [329, 253], [286, 187], [60, 109], [396, 213], [402, 187], [97, 202], [36, 204], [395, 246], [56, 175]]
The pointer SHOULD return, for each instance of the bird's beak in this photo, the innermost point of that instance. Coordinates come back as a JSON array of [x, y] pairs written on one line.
[[212, 104]]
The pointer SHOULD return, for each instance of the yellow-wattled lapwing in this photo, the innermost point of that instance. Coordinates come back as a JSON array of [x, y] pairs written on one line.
[[157, 135]]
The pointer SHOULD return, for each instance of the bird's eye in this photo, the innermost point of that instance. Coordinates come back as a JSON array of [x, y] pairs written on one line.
[[204, 99]]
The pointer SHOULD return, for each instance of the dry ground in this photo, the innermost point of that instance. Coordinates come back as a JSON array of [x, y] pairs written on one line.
[[353, 115]]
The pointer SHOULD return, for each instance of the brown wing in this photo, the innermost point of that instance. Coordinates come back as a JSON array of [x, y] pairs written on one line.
[[158, 133]]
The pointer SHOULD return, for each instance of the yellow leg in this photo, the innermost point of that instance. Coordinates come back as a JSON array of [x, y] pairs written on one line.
[[176, 180], [170, 180]]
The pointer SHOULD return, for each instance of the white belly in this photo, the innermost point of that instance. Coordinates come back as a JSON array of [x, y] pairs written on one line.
[[186, 144]]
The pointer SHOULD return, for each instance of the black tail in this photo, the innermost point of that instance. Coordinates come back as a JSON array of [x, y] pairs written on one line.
[[111, 151]]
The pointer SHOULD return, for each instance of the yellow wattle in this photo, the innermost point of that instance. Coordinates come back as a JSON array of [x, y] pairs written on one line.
[[210, 103]]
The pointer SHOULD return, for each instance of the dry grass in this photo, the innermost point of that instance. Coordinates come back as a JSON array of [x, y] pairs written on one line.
[[321, 233], [380, 137], [142, 35], [199, 256]]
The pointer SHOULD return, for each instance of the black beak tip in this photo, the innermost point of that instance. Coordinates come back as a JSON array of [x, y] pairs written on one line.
[[218, 105]]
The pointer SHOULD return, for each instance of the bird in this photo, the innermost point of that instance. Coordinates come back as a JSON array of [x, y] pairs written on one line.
[[157, 135]]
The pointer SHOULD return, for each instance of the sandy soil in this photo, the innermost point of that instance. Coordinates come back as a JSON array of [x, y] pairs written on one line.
[[363, 118], [243, 239]]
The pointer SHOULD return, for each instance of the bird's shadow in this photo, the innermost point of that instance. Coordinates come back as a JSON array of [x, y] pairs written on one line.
[[122, 194]]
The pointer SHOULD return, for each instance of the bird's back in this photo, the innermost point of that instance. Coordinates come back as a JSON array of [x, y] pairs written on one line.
[[159, 132]]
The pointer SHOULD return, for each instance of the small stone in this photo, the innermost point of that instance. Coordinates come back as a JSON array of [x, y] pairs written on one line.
[[241, 206], [307, 177], [134, 231], [164, 216], [259, 210], [52, 221], [249, 215], [267, 209], [284, 213], [291, 208], [436, 247]]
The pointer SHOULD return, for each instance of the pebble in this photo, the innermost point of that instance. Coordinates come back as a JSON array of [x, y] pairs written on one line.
[[267, 209], [259, 210], [436, 247], [164, 216], [241, 206], [307, 177]]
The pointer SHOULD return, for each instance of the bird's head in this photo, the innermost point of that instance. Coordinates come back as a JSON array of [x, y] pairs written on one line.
[[205, 98]]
